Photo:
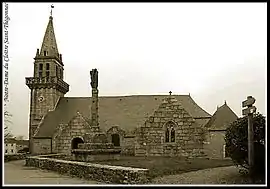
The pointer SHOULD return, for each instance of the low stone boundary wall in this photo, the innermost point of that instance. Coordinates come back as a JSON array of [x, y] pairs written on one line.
[[13, 157], [91, 171]]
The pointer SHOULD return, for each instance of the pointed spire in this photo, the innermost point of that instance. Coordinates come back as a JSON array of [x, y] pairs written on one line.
[[49, 45]]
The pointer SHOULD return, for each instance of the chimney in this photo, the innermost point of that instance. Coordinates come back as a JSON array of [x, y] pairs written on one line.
[[94, 107]]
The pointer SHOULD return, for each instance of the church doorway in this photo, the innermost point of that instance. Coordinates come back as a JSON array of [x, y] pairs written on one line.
[[116, 139], [75, 142]]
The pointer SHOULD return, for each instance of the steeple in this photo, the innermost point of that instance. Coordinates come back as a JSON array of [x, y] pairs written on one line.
[[49, 45], [47, 84]]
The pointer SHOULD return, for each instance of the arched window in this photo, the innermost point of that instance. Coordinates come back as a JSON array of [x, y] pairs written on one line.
[[116, 139], [172, 135], [167, 135], [170, 132], [40, 67]]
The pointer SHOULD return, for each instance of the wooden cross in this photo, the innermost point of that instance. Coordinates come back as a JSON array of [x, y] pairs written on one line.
[[170, 93]]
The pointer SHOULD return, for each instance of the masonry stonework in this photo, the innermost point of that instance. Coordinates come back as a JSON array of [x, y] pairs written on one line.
[[128, 146], [46, 85], [186, 140], [42, 146], [214, 144], [76, 128]]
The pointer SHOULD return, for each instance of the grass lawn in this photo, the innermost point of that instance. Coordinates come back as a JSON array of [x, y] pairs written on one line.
[[160, 166]]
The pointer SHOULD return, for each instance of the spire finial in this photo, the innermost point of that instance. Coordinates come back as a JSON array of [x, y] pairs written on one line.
[[170, 93], [225, 102], [52, 6]]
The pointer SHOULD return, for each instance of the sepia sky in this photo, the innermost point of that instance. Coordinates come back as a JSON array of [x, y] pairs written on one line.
[[215, 52]]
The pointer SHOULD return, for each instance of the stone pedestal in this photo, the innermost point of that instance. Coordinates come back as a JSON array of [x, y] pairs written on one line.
[[88, 155], [96, 149]]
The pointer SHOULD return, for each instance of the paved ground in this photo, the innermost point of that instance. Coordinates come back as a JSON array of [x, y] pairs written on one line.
[[17, 173], [220, 175]]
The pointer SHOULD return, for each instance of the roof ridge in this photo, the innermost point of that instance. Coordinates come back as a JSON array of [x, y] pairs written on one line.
[[135, 109], [115, 96], [193, 101]]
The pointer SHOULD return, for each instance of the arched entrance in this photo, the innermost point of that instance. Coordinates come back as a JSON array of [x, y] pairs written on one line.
[[75, 142], [116, 139]]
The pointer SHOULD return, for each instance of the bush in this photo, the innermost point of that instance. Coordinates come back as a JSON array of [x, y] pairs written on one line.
[[236, 139]]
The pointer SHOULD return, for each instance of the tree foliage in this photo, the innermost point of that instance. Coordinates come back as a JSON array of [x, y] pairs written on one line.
[[236, 139]]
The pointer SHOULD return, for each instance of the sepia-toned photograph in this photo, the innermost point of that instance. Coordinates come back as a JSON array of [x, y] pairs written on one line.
[[143, 94]]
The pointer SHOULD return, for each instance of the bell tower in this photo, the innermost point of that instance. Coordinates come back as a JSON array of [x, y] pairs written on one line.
[[47, 84]]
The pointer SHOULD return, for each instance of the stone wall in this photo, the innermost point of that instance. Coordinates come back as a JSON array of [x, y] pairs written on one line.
[[42, 146], [128, 145], [120, 132], [214, 144], [38, 109], [76, 128], [102, 173], [150, 138]]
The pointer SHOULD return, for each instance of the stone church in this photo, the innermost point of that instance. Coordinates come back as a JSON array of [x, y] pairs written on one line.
[[142, 125]]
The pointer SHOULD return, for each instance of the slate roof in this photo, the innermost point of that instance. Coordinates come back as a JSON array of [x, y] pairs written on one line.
[[128, 112], [221, 118]]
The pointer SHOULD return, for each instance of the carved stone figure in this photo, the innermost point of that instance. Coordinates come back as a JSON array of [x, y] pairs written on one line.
[[94, 78]]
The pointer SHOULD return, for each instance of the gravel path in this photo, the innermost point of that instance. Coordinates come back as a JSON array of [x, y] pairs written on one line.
[[220, 175], [16, 173]]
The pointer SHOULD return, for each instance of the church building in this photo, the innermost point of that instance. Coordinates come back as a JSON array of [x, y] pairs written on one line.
[[142, 125]]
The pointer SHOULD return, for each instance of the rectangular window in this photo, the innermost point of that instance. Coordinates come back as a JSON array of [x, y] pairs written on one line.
[[40, 66], [11, 150], [11, 144], [47, 73], [56, 71], [40, 74], [47, 66], [45, 53], [6, 151]]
